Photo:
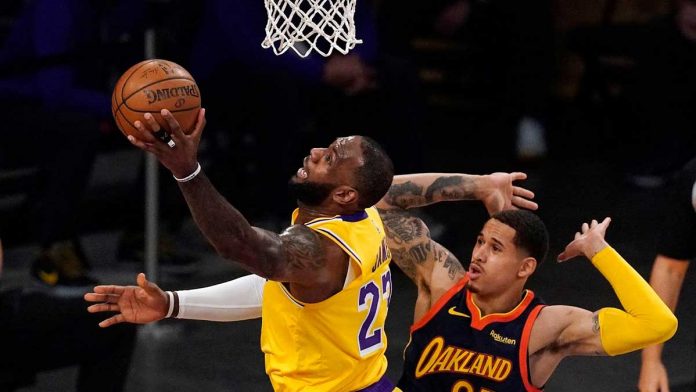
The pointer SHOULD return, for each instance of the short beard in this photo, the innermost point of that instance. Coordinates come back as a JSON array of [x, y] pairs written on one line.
[[310, 193]]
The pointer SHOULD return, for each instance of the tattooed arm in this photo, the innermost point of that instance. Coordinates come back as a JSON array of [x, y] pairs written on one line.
[[561, 331], [432, 267], [496, 191], [428, 264], [409, 241], [296, 255]]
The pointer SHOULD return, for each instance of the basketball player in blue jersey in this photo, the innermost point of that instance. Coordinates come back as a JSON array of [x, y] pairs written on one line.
[[480, 330]]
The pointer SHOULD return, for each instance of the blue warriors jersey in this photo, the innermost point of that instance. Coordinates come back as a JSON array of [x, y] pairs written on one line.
[[454, 348], [337, 344]]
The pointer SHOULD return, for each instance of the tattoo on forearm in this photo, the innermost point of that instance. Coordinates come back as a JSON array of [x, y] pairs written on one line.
[[405, 195], [595, 323], [303, 249], [449, 188], [408, 194]]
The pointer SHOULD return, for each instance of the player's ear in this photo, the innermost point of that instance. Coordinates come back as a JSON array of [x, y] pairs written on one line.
[[527, 267], [344, 195]]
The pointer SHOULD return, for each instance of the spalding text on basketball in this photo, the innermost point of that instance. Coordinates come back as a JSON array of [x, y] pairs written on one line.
[[165, 93]]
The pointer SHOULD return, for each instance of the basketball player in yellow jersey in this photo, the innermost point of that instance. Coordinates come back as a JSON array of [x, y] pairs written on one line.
[[340, 341], [329, 285]]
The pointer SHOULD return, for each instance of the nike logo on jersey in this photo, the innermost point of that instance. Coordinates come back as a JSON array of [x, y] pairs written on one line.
[[455, 313]]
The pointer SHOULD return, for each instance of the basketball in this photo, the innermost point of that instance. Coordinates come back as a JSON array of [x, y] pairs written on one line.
[[153, 85]]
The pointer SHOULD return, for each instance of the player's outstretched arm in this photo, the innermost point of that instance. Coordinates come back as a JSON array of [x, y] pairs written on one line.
[[235, 300], [497, 191], [139, 304], [426, 262], [293, 256], [644, 320]]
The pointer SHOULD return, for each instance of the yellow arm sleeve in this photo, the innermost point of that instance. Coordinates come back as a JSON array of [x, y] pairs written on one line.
[[646, 319]]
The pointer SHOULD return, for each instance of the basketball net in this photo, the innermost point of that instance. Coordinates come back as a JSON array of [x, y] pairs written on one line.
[[307, 25]]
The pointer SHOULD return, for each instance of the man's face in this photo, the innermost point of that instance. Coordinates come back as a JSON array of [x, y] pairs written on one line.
[[324, 169], [495, 259]]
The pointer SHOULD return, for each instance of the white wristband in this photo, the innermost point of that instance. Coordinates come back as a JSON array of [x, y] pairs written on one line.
[[190, 176], [170, 295]]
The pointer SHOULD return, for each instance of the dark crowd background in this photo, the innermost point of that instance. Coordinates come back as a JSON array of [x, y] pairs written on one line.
[[594, 100]]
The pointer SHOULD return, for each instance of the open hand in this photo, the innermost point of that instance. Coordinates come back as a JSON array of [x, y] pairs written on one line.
[[139, 304], [588, 241], [499, 193]]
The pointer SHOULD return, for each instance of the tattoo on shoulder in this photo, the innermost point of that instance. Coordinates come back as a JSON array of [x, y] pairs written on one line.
[[405, 195], [402, 227], [595, 323], [448, 188], [303, 248], [408, 239]]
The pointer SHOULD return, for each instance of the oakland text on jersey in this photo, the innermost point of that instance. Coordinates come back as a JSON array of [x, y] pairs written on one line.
[[436, 358]]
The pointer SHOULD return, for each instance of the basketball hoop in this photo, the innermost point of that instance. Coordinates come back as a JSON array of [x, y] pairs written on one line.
[[306, 25]]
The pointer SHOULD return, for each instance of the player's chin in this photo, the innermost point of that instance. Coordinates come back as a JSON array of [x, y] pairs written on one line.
[[472, 286]]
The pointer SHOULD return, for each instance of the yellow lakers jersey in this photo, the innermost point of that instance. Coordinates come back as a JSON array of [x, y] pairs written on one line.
[[337, 344]]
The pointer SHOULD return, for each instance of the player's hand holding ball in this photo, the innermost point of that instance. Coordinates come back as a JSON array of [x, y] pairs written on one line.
[[157, 105], [181, 158]]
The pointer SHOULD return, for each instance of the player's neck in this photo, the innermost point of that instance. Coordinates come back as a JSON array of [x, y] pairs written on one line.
[[501, 302], [307, 213]]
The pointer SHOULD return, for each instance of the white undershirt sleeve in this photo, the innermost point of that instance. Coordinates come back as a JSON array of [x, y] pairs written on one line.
[[236, 300]]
